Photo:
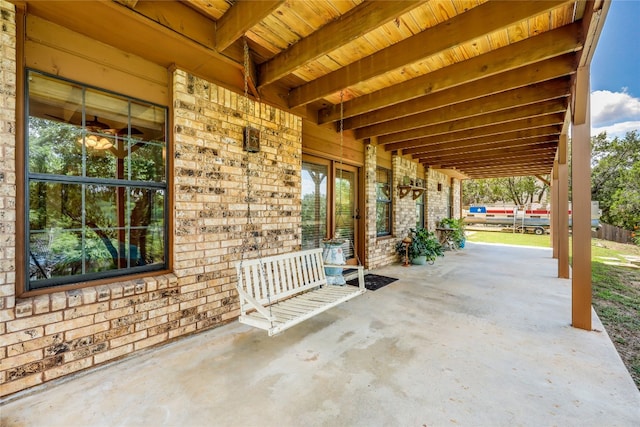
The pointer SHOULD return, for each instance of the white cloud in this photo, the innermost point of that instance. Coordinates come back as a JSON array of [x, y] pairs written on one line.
[[614, 112], [617, 129]]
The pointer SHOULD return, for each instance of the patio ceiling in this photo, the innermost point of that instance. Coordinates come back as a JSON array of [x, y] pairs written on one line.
[[482, 87]]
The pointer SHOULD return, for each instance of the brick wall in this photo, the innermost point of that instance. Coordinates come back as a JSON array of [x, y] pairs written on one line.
[[438, 201], [7, 177], [404, 209], [380, 251], [50, 336]]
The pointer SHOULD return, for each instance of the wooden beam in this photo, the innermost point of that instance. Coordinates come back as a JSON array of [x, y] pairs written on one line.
[[499, 161], [579, 101], [502, 174], [532, 169], [191, 54], [178, 18], [357, 22], [509, 138], [241, 17], [529, 51], [592, 24], [481, 156], [476, 152], [520, 77], [508, 148], [510, 100], [506, 171], [453, 32], [543, 179], [490, 123]]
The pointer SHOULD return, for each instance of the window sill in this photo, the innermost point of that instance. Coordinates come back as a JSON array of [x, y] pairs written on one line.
[[55, 299]]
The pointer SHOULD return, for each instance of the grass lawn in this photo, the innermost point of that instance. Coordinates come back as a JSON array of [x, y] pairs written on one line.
[[616, 289], [508, 238]]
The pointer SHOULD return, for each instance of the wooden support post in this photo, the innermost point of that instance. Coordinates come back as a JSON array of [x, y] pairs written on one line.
[[581, 206], [562, 208], [553, 221]]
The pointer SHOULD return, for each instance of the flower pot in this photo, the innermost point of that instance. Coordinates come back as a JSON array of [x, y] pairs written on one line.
[[419, 260]]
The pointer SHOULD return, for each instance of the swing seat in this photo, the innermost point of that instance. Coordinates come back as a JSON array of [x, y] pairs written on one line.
[[280, 291]]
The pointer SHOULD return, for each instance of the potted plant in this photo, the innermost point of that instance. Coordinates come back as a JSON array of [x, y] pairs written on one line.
[[458, 227], [424, 247]]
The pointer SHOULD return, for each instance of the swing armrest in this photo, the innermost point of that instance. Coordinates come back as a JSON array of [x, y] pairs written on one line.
[[255, 304]]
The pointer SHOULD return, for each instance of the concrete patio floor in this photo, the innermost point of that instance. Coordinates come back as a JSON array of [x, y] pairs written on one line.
[[481, 338]]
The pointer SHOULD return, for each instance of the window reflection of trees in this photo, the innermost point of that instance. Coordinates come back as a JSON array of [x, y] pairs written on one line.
[[93, 211]]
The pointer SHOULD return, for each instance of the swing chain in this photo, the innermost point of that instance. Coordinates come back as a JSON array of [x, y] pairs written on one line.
[[250, 226]]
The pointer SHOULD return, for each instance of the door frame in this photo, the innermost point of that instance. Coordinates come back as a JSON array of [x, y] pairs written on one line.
[[333, 167]]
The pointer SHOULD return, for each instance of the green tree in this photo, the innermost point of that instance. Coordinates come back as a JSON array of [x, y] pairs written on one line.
[[517, 190], [615, 178]]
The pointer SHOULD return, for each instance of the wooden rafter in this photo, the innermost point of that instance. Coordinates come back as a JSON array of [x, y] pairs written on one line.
[[480, 153], [509, 100], [513, 79], [240, 18], [520, 160], [460, 29], [485, 124], [459, 85], [528, 51], [471, 145], [489, 142], [357, 22]]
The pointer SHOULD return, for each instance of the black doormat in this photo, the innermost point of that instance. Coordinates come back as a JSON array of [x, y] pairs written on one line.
[[372, 282]]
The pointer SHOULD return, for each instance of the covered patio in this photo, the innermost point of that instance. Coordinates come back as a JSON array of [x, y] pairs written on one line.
[[467, 341], [221, 113]]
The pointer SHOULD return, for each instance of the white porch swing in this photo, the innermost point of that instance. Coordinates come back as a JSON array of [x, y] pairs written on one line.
[[280, 291]]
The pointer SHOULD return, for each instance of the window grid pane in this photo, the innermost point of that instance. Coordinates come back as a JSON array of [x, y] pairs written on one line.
[[383, 202], [96, 174]]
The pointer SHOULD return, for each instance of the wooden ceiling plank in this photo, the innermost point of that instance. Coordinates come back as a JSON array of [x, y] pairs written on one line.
[[509, 100], [513, 79], [539, 48], [457, 30], [359, 21], [240, 18], [484, 122]]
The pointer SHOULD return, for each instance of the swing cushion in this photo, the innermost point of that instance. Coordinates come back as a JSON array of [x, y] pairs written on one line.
[[280, 291]]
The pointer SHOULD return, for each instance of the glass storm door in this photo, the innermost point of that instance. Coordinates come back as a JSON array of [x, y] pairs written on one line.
[[328, 209], [346, 208], [314, 204]]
